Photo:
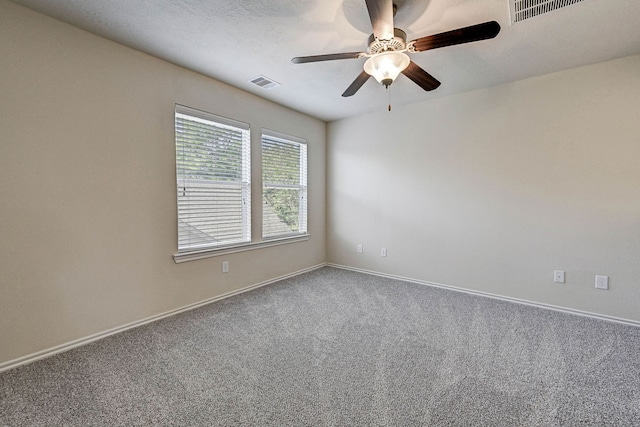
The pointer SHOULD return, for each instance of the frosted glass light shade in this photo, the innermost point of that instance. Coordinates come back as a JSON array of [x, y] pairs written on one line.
[[386, 66]]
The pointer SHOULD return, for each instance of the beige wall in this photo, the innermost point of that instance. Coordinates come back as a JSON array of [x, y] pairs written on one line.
[[490, 190], [493, 190], [87, 185]]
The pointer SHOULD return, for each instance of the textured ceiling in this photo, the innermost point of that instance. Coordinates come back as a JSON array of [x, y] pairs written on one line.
[[234, 41]]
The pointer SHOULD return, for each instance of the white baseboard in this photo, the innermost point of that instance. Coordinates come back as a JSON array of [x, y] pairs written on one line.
[[494, 296], [30, 358]]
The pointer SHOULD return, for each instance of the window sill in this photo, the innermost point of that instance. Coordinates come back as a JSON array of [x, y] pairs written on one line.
[[211, 252]]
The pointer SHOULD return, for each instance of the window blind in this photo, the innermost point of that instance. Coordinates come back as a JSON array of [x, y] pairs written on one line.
[[284, 182], [213, 180]]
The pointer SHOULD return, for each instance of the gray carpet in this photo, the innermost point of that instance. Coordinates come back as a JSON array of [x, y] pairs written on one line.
[[339, 348]]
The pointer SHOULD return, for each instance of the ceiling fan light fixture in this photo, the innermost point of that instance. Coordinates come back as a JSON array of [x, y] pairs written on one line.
[[386, 66], [387, 48]]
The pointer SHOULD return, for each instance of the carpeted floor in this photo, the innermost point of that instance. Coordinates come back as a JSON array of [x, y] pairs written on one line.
[[339, 348]]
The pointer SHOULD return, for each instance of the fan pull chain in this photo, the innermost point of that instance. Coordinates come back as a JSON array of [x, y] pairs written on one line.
[[389, 95]]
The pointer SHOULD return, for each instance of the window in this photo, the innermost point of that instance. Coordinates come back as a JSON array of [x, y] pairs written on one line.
[[213, 173], [284, 185]]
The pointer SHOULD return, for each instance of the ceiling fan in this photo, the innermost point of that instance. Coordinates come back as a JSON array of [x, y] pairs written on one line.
[[387, 49]]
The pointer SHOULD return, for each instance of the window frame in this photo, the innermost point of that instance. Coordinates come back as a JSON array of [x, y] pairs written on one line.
[[302, 186], [223, 249], [218, 125]]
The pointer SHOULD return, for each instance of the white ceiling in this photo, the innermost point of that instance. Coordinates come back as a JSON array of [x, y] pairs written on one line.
[[234, 41]]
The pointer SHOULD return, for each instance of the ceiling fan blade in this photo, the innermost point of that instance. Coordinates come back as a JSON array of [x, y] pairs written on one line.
[[357, 84], [420, 77], [487, 30], [381, 15], [327, 57]]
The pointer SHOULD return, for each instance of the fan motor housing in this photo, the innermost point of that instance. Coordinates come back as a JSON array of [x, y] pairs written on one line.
[[398, 42]]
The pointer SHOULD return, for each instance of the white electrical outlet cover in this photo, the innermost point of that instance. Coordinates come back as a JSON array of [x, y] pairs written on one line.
[[602, 282], [558, 276]]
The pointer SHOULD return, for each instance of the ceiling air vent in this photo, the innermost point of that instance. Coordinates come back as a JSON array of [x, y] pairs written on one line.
[[525, 9], [264, 82]]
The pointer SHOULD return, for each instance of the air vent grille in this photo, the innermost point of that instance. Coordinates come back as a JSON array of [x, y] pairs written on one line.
[[264, 82], [525, 9]]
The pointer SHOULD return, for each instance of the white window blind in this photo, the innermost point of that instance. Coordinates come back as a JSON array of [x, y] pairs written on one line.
[[213, 172], [284, 182]]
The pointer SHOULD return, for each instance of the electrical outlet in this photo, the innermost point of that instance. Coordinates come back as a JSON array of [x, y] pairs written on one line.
[[360, 250], [558, 276], [225, 266], [383, 252], [602, 282]]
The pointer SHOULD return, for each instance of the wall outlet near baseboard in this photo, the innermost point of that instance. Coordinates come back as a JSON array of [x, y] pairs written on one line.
[[225, 266], [383, 251], [360, 249], [558, 276], [602, 282]]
